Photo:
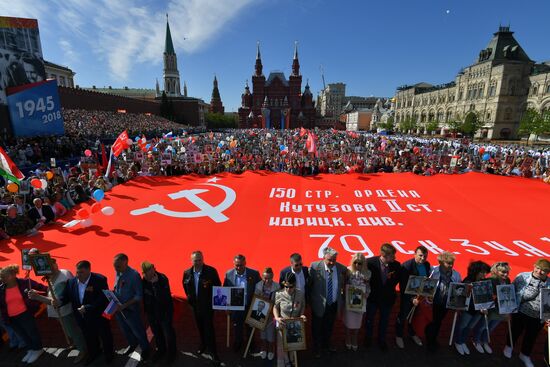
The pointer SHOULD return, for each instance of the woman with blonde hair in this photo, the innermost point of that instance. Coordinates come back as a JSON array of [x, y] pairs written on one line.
[[267, 288], [358, 276]]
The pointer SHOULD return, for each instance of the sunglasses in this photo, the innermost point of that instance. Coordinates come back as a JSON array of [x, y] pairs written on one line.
[[358, 263]]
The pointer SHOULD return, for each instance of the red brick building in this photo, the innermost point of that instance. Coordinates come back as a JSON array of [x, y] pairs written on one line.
[[278, 102], [216, 105]]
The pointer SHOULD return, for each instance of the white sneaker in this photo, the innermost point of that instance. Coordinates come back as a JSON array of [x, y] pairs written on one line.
[[478, 347], [526, 360], [466, 350], [26, 357], [459, 348], [35, 355], [417, 340], [263, 353], [507, 351], [487, 348], [399, 342], [270, 356]]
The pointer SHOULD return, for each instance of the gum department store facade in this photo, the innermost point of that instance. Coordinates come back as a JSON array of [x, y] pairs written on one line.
[[498, 88]]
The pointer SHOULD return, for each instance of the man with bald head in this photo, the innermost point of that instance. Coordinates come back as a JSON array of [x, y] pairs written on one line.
[[41, 214]]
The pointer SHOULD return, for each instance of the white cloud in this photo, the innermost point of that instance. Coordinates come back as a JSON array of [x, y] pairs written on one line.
[[122, 33]]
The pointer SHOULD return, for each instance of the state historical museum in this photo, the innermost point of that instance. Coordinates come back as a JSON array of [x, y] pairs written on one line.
[[277, 103]]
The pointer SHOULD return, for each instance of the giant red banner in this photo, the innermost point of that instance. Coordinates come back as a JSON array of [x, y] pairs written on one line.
[[268, 216]]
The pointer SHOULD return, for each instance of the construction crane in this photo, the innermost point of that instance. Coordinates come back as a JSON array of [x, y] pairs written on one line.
[[322, 75]]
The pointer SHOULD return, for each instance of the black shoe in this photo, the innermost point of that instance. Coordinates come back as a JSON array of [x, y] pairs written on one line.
[[216, 360], [90, 359], [171, 357], [383, 346], [201, 350], [145, 354], [317, 354], [332, 349], [368, 341]]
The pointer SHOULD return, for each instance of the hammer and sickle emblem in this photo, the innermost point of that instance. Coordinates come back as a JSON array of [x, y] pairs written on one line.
[[206, 210]]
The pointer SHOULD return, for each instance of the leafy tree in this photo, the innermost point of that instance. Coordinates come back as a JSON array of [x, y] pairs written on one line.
[[409, 124], [220, 121], [388, 125], [432, 126], [455, 125], [534, 122], [472, 124]]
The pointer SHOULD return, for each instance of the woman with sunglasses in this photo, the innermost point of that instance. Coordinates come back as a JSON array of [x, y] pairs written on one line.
[[358, 276], [499, 276], [289, 303]]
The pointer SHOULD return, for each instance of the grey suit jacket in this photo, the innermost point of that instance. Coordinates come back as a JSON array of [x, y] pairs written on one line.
[[318, 289]]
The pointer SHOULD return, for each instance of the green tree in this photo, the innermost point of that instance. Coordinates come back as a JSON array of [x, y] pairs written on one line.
[[472, 124], [220, 121], [432, 126], [409, 124], [389, 125], [534, 122], [455, 125]]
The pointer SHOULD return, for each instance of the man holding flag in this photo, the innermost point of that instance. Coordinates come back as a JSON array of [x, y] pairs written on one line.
[[120, 144]]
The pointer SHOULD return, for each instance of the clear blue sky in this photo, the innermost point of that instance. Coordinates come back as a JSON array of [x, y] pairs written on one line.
[[372, 46]]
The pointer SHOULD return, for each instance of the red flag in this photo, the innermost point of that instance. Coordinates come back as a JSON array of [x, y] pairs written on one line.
[[302, 132], [120, 144], [142, 143], [311, 143]]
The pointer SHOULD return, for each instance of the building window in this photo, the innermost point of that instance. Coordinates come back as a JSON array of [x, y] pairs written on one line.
[[62, 81]]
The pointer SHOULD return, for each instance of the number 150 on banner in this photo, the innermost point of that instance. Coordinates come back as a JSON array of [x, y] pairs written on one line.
[[36, 110]]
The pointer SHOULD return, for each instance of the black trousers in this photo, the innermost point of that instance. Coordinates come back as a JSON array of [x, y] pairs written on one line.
[[96, 329], [163, 330], [205, 323], [405, 307], [322, 327], [531, 326], [432, 329], [238, 318]]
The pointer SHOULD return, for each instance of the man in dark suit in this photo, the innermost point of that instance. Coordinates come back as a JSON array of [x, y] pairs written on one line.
[[41, 214], [418, 266], [85, 292], [241, 276], [301, 272], [385, 277], [197, 283]]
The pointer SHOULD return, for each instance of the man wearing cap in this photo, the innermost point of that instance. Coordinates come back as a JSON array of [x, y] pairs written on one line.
[[197, 283], [159, 308], [327, 279]]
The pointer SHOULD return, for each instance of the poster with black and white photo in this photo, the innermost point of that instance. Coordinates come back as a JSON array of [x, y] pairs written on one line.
[[458, 296], [21, 59], [483, 295], [506, 298]]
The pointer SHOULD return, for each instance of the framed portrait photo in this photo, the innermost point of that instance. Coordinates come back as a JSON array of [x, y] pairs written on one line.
[[482, 293], [355, 298], [545, 304], [414, 285], [25, 259], [458, 296], [428, 287], [41, 264], [294, 335], [506, 298], [259, 312]]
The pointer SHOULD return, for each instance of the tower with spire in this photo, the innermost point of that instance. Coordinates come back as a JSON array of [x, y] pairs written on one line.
[[216, 105], [170, 72], [277, 102]]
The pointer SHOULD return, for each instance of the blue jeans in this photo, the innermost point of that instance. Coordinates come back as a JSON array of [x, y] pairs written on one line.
[[385, 310], [15, 340], [132, 328], [466, 323], [480, 331], [25, 327]]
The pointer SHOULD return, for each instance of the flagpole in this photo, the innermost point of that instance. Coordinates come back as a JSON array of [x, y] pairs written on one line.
[[109, 165]]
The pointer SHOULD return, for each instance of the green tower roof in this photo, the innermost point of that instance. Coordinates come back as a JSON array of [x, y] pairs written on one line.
[[168, 45]]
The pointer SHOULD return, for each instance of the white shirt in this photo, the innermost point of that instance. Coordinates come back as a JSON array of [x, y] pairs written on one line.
[[82, 288], [300, 279], [334, 282], [196, 276]]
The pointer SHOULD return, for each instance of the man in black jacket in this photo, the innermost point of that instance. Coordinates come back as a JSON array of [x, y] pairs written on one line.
[[418, 266], [159, 308], [40, 213], [384, 279], [197, 283], [85, 293]]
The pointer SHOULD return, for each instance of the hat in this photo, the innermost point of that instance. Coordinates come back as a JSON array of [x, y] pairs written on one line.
[[290, 279]]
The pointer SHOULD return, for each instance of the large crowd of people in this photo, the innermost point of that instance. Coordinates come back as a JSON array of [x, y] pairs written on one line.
[[327, 288]]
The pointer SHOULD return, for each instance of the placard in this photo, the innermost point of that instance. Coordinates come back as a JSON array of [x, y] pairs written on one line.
[[228, 298], [259, 312], [483, 295], [506, 298], [458, 296]]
